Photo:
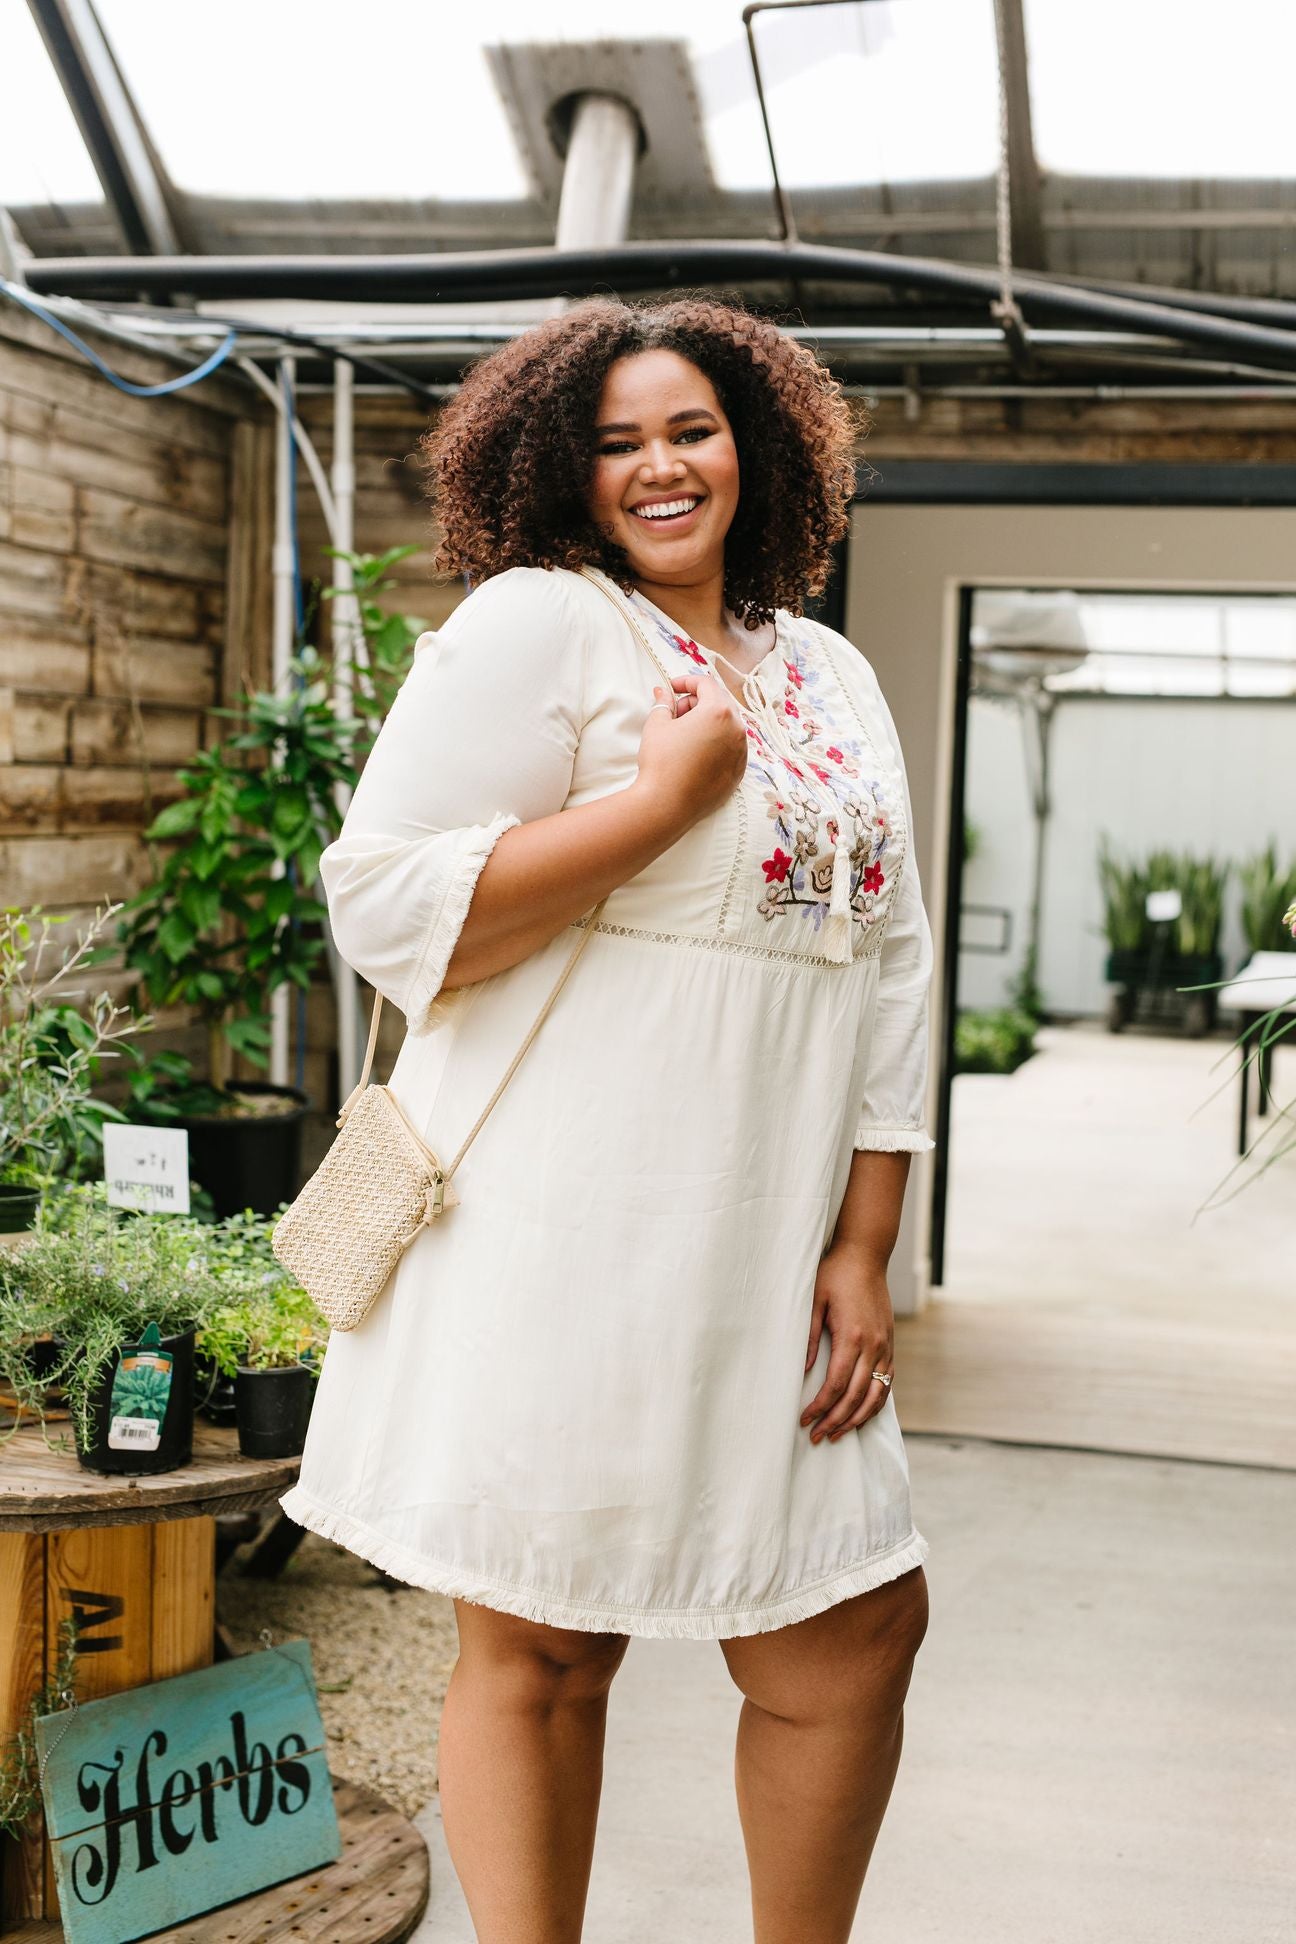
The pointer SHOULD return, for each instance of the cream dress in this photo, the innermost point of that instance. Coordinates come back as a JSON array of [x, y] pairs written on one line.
[[578, 1400]]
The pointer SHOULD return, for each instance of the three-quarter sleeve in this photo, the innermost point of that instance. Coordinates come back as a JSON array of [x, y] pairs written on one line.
[[482, 736], [893, 1112]]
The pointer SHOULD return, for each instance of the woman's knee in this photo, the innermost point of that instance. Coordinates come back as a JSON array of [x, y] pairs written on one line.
[[850, 1656], [538, 1663]]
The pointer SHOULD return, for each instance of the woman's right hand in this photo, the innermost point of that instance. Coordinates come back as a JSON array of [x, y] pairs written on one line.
[[691, 762]]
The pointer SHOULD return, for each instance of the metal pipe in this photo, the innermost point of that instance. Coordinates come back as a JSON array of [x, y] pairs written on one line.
[[345, 632], [275, 394], [598, 173], [283, 573], [489, 275]]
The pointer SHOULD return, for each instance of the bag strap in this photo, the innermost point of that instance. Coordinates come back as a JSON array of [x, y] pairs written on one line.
[[532, 1030], [599, 580], [611, 592]]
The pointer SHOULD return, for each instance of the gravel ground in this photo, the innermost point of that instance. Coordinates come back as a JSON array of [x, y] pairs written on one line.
[[383, 1655]]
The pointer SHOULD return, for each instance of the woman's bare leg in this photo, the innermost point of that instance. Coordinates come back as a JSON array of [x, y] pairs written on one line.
[[818, 1746], [521, 1770]]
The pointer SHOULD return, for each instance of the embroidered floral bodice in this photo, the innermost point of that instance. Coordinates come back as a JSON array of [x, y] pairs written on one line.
[[820, 833]]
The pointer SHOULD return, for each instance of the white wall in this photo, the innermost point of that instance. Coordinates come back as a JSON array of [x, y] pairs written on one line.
[[1215, 778]]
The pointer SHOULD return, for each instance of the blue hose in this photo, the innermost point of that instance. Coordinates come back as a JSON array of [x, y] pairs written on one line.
[[19, 296]]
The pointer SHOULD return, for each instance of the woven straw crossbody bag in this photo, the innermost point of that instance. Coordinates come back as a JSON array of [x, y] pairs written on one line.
[[380, 1184]]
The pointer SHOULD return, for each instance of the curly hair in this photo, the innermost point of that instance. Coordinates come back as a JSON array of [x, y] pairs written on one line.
[[511, 456]]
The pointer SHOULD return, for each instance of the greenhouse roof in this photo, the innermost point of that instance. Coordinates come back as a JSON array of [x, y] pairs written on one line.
[[1153, 156]]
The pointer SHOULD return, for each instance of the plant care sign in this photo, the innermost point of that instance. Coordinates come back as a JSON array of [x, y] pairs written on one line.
[[147, 1167], [171, 1799]]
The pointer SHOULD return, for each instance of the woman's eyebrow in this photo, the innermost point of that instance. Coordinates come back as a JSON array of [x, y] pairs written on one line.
[[676, 418]]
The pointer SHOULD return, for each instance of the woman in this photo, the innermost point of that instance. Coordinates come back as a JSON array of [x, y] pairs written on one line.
[[638, 1381]]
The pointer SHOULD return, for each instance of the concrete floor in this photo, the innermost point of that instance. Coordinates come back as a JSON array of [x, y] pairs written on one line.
[[1100, 1740], [1078, 1180]]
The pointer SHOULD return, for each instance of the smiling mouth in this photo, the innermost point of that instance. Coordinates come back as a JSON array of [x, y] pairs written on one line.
[[667, 513]]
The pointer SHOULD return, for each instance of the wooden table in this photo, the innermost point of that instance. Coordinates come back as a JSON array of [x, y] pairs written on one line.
[[377, 1890], [133, 1561]]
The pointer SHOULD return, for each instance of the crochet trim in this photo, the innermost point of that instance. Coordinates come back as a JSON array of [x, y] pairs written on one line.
[[708, 942], [654, 1623]]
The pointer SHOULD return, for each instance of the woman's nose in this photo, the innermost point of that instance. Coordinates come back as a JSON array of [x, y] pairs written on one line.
[[660, 462]]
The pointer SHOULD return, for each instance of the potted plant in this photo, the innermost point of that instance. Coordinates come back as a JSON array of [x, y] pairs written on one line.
[[267, 1337], [119, 1296], [231, 914], [1156, 959], [50, 1057], [1267, 894]]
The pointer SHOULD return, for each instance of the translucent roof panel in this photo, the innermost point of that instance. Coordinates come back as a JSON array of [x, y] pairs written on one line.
[[1128, 88], [331, 100], [892, 91], [42, 156], [395, 98]]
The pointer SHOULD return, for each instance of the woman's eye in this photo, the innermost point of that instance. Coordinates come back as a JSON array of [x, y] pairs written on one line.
[[697, 432]]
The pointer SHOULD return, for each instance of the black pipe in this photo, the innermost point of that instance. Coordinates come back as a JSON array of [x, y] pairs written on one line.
[[484, 276]]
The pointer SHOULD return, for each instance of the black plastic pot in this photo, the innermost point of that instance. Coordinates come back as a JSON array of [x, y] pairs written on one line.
[[43, 1356], [274, 1407], [249, 1163], [213, 1392], [19, 1208], [175, 1447]]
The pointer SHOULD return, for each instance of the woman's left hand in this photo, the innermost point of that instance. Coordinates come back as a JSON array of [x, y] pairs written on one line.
[[852, 1302]]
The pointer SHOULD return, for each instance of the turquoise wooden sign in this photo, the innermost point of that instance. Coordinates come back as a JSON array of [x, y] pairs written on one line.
[[171, 1799]]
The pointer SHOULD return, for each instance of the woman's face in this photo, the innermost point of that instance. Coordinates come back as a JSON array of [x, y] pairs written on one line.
[[665, 478]]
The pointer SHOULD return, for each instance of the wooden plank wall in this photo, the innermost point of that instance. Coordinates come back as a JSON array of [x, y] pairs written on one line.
[[126, 612]]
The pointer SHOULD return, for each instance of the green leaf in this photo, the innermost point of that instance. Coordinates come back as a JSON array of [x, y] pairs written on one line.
[[175, 936], [201, 905], [279, 899], [176, 818]]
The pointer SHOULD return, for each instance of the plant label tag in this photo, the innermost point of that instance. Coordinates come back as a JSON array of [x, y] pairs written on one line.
[[147, 1167], [141, 1390], [1164, 906]]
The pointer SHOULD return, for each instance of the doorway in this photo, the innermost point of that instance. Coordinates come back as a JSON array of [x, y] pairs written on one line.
[[1007, 1340]]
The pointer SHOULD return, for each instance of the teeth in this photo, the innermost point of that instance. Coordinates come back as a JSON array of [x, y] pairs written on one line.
[[665, 509]]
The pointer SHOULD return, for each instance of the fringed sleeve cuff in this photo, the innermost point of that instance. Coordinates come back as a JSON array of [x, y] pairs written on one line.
[[425, 1003], [893, 1140]]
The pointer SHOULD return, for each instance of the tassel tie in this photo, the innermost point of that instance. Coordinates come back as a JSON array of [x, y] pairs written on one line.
[[837, 930]]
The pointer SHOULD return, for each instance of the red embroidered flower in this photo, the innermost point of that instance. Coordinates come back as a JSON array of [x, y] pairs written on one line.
[[790, 707], [688, 647], [776, 867], [794, 673], [822, 774], [789, 764], [873, 879], [833, 753]]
